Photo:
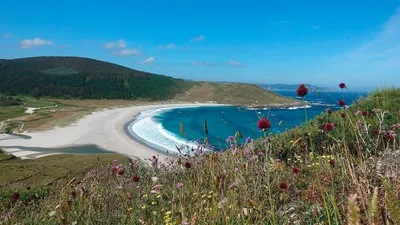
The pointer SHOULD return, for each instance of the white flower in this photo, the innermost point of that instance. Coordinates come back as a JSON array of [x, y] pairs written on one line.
[[52, 213], [154, 179]]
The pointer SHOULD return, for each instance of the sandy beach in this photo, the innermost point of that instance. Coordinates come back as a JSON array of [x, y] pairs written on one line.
[[102, 129]]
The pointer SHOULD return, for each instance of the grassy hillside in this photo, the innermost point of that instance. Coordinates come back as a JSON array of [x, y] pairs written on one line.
[[83, 78], [233, 93], [313, 174], [77, 77]]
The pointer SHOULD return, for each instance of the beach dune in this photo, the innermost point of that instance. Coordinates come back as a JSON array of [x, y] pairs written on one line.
[[103, 129]]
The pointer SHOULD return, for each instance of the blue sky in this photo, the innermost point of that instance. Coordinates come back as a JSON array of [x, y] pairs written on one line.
[[319, 42]]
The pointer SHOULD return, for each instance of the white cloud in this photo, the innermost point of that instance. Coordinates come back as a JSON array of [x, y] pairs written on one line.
[[149, 60], [197, 39], [128, 52], [117, 44], [29, 43], [196, 63], [235, 63], [7, 35], [169, 46]]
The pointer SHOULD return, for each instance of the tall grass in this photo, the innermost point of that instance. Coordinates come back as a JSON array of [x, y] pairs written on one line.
[[351, 179]]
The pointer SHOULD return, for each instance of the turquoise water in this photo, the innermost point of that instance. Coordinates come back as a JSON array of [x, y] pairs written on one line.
[[162, 127]]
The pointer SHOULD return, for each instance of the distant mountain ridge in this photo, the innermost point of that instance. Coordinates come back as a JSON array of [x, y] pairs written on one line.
[[85, 78]]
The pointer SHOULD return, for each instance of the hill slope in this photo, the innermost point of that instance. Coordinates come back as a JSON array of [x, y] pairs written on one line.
[[85, 78]]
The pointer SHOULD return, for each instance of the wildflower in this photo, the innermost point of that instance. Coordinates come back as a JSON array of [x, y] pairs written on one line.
[[15, 197], [114, 170], [120, 172], [342, 103], [343, 115], [52, 213], [179, 186], [145, 196], [283, 185], [231, 186], [302, 90], [358, 113], [328, 127], [143, 207], [135, 178], [342, 85], [154, 157], [329, 111], [129, 197], [295, 170], [236, 169], [251, 203], [389, 136], [154, 179], [188, 165], [153, 203], [115, 161], [130, 209], [73, 194], [28, 188], [365, 113], [248, 140], [264, 124], [332, 162], [376, 132]]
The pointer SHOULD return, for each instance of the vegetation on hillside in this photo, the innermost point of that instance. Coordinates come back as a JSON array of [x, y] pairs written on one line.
[[340, 168], [74, 77]]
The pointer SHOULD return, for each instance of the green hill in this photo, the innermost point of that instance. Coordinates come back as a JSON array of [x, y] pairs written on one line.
[[84, 78]]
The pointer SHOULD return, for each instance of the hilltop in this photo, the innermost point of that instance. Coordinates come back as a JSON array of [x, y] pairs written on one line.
[[84, 78], [293, 87]]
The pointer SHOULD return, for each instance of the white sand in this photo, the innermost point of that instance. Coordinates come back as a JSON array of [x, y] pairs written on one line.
[[102, 128]]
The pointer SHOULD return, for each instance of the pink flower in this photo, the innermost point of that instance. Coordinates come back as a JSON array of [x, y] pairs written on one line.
[[115, 161], [179, 186], [231, 186]]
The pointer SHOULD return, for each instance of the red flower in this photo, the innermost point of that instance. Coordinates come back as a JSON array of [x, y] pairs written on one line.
[[376, 132], [120, 172], [302, 90], [335, 124], [389, 136], [343, 115], [328, 127], [364, 113], [114, 170], [154, 157], [73, 194], [329, 111], [283, 185], [342, 103], [129, 197], [264, 124], [342, 85], [28, 188], [332, 162], [135, 178], [188, 165], [295, 170], [15, 197]]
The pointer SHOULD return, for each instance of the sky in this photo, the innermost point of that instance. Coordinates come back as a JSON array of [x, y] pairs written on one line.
[[309, 41]]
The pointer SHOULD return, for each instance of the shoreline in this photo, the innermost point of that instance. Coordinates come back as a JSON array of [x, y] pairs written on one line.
[[104, 131]]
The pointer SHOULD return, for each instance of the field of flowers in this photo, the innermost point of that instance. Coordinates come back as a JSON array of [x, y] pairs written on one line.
[[339, 168]]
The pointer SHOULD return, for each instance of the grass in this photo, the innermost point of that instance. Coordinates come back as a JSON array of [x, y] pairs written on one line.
[[15, 172], [308, 175]]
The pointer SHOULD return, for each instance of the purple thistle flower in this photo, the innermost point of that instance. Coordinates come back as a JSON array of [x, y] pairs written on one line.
[[248, 140]]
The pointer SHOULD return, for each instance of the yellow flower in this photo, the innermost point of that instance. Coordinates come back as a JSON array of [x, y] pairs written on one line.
[[158, 196], [143, 207], [230, 207], [210, 192], [145, 196], [153, 203], [195, 194], [167, 220], [154, 212], [291, 141], [203, 196], [210, 196], [168, 213], [130, 209], [204, 202]]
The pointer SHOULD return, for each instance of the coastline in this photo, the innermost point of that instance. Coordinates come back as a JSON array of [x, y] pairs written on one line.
[[103, 130]]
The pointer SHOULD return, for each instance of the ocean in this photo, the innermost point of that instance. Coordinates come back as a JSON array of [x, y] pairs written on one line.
[[161, 128]]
